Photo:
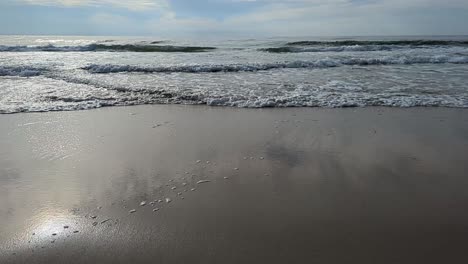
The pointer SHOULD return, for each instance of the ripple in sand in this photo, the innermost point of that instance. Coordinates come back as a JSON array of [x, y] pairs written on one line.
[[107, 220], [203, 181], [95, 223], [132, 211]]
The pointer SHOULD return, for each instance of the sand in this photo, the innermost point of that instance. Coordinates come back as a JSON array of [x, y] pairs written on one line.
[[298, 185]]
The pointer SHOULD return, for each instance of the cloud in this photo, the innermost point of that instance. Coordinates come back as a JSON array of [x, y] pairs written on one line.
[[264, 17], [134, 5], [352, 17]]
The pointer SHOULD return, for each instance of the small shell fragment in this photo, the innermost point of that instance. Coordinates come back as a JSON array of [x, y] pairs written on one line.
[[203, 181]]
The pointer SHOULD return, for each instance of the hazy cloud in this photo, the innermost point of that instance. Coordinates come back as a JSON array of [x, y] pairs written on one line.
[[136, 5], [261, 17]]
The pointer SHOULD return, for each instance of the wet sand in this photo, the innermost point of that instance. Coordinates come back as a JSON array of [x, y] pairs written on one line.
[[303, 185]]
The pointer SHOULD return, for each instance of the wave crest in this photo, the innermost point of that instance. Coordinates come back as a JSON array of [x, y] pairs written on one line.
[[380, 43], [332, 49], [324, 63], [103, 47]]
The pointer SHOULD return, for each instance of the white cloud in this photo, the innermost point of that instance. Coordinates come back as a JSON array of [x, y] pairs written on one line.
[[135, 5], [347, 17], [282, 17]]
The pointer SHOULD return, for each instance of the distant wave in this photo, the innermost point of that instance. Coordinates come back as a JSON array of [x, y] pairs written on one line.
[[288, 49], [102, 47], [354, 45], [324, 63], [381, 42]]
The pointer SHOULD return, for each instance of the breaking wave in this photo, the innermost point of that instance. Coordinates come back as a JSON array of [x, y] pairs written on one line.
[[102, 47], [323, 63], [355, 46], [21, 71], [333, 48], [381, 42]]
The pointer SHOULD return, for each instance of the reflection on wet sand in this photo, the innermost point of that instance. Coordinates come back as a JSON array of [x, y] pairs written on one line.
[[236, 186]]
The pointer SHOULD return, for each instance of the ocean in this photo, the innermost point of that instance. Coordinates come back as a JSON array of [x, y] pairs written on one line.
[[62, 73]]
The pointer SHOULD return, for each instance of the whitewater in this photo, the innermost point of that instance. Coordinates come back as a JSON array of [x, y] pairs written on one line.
[[39, 73]]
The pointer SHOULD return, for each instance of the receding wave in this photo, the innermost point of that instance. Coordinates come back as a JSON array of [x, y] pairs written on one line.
[[323, 63], [381, 42], [103, 47]]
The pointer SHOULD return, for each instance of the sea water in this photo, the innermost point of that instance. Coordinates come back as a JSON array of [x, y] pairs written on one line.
[[57, 73]]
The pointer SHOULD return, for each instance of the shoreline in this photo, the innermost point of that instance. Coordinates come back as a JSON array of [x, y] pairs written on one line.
[[379, 108]]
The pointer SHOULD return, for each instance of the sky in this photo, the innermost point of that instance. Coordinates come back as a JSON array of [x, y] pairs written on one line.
[[234, 17]]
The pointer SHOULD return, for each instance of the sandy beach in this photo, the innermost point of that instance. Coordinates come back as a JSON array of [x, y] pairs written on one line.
[[198, 184]]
